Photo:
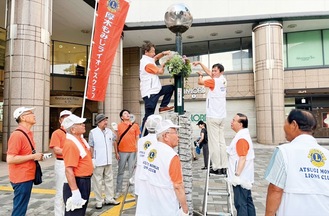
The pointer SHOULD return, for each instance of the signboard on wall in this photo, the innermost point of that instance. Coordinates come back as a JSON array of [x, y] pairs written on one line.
[[65, 101]]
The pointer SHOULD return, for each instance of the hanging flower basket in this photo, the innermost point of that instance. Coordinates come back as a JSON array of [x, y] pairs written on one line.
[[179, 65]]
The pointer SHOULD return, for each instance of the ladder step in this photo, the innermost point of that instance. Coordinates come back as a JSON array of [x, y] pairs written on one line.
[[129, 200], [211, 193], [218, 213]]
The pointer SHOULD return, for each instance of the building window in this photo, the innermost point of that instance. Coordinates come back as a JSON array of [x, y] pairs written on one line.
[[69, 59], [326, 46], [304, 49], [235, 54]]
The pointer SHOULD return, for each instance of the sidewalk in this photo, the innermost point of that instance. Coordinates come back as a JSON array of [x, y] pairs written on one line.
[[42, 197]]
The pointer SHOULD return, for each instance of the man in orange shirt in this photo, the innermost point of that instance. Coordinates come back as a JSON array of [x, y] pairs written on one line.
[[128, 134], [78, 167], [20, 159], [150, 85], [241, 166], [56, 143]]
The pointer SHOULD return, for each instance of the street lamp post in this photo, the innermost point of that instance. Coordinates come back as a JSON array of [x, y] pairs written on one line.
[[178, 19]]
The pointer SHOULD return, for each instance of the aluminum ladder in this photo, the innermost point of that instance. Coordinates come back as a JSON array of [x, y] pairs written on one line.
[[222, 190], [131, 182]]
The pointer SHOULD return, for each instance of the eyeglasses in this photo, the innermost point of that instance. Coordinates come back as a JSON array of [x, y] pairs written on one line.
[[27, 114]]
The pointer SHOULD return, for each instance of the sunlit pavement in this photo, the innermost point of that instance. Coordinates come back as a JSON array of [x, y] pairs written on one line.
[[42, 198]]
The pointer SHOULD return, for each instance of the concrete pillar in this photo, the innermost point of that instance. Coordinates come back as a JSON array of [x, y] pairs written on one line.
[[269, 82], [27, 67], [112, 104]]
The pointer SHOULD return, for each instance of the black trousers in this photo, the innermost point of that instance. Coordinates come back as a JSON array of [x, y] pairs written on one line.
[[84, 185], [151, 102]]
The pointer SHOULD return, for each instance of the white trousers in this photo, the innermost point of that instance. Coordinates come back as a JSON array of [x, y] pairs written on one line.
[[216, 143], [59, 206], [103, 173]]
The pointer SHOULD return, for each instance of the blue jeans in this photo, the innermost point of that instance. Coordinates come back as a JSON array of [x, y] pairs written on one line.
[[22, 194], [150, 103], [243, 201]]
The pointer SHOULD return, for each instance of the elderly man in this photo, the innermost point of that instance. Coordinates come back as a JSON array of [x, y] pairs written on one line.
[[101, 140], [20, 159], [57, 143], [78, 167], [216, 114], [241, 166], [298, 171], [163, 190], [143, 144]]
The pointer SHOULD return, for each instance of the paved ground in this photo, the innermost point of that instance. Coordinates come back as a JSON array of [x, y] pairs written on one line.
[[42, 198]]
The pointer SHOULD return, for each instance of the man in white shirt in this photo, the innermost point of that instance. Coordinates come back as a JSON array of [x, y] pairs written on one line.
[[150, 85], [101, 141], [216, 114], [298, 171]]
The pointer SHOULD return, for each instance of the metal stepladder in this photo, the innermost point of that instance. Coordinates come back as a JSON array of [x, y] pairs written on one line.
[[129, 184], [221, 192]]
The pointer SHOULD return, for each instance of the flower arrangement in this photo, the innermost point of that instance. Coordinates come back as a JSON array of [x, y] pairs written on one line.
[[178, 64]]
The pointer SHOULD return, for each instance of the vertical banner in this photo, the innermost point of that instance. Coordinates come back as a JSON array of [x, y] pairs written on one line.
[[110, 19]]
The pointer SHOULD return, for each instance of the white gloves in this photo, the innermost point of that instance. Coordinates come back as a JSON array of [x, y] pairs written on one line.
[[76, 198], [181, 213], [236, 180], [75, 201]]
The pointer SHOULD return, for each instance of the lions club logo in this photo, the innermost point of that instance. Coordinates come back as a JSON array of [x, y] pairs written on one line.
[[152, 155], [146, 145], [317, 157], [113, 5]]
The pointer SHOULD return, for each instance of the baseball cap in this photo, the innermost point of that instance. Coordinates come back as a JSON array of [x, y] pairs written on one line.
[[99, 118], [71, 120], [165, 125], [200, 122], [152, 121], [19, 111], [65, 112]]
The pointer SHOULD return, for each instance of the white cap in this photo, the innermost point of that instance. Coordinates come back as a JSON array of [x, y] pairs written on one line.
[[65, 112], [71, 120], [152, 121], [165, 125], [19, 111]]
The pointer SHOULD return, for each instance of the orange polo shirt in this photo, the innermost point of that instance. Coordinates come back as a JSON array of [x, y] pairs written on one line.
[[57, 139], [18, 144], [71, 155], [128, 142], [242, 147]]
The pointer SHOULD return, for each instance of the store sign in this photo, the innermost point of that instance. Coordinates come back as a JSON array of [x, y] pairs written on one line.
[[198, 117], [195, 91], [69, 101]]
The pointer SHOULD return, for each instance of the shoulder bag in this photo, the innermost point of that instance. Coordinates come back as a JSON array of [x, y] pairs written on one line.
[[124, 133], [38, 171]]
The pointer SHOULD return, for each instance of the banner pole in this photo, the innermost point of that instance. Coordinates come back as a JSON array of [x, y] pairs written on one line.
[[88, 68]]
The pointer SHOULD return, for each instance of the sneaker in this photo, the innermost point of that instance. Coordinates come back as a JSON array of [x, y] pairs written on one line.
[[117, 195], [166, 109], [111, 202], [99, 205], [195, 158]]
